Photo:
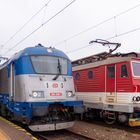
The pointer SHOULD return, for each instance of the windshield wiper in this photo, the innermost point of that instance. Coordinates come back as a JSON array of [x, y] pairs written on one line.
[[59, 70]]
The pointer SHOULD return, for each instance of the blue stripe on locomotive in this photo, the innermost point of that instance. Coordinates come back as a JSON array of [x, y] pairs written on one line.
[[25, 109]]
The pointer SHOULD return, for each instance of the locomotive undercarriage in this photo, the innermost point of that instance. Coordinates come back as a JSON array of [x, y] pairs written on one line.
[[111, 117], [55, 117], [55, 113], [50, 116]]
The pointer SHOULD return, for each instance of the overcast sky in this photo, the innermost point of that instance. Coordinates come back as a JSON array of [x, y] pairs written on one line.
[[81, 15]]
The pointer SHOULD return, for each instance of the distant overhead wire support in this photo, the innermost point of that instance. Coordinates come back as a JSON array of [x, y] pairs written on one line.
[[100, 23], [26, 23], [47, 21]]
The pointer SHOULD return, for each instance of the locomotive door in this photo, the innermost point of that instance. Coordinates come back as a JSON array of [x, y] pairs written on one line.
[[12, 81], [110, 78]]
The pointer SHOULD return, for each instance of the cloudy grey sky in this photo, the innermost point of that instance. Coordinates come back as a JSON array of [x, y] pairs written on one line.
[[80, 16]]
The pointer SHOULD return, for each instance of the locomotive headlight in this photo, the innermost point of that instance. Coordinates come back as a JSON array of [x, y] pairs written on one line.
[[70, 94], [38, 94]]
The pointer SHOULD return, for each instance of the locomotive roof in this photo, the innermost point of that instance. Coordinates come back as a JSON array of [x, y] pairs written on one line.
[[110, 60], [36, 50], [40, 50]]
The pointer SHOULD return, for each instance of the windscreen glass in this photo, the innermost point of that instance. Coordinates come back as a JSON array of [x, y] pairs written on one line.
[[49, 65]]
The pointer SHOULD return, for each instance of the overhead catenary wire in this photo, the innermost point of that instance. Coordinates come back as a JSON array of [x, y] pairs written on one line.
[[23, 26], [47, 21], [75, 35], [115, 36], [98, 24], [75, 50], [118, 35], [124, 33], [84, 31]]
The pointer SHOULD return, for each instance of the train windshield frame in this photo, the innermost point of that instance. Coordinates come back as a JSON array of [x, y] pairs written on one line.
[[136, 68], [44, 64]]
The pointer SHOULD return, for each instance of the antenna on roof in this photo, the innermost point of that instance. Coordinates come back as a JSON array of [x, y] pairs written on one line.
[[39, 45]]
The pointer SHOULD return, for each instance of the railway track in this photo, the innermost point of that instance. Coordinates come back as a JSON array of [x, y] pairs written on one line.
[[91, 130], [77, 135], [98, 130], [118, 126], [60, 135], [50, 135]]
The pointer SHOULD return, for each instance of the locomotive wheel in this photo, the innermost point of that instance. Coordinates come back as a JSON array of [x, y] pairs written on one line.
[[109, 121], [109, 117]]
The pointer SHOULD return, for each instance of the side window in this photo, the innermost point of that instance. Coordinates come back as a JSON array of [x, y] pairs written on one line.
[[12, 81], [111, 71], [90, 74], [124, 72], [77, 76]]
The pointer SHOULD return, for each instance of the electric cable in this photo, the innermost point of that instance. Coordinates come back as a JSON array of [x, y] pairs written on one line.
[[23, 26], [100, 23], [47, 21], [122, 34]]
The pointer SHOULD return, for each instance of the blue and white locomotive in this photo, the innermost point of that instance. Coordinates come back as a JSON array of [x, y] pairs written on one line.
[[36, 88]]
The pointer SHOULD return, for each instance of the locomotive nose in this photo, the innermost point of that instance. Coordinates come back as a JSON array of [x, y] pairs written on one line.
[[59, 90], [47, 89], [55, 89]]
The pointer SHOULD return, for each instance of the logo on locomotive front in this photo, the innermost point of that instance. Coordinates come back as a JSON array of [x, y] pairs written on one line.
[[55, 85]]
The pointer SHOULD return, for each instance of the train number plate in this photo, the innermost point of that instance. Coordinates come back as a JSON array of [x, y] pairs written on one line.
[[56, 94]]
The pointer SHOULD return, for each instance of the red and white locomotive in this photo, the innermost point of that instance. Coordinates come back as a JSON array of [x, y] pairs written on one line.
[[110, 86]]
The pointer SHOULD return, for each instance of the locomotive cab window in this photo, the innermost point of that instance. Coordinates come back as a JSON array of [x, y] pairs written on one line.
[[77, 76], [136, 68], [49, 65], [90, 74], [111, 71], [124, 72]]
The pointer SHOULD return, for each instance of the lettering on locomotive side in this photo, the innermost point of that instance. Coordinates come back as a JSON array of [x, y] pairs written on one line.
[[136, 98]]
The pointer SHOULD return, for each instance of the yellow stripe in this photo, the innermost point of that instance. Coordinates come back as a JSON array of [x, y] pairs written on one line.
[[18, 127], [14, 125], [28, 133], [23, 130], [34, 138]]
